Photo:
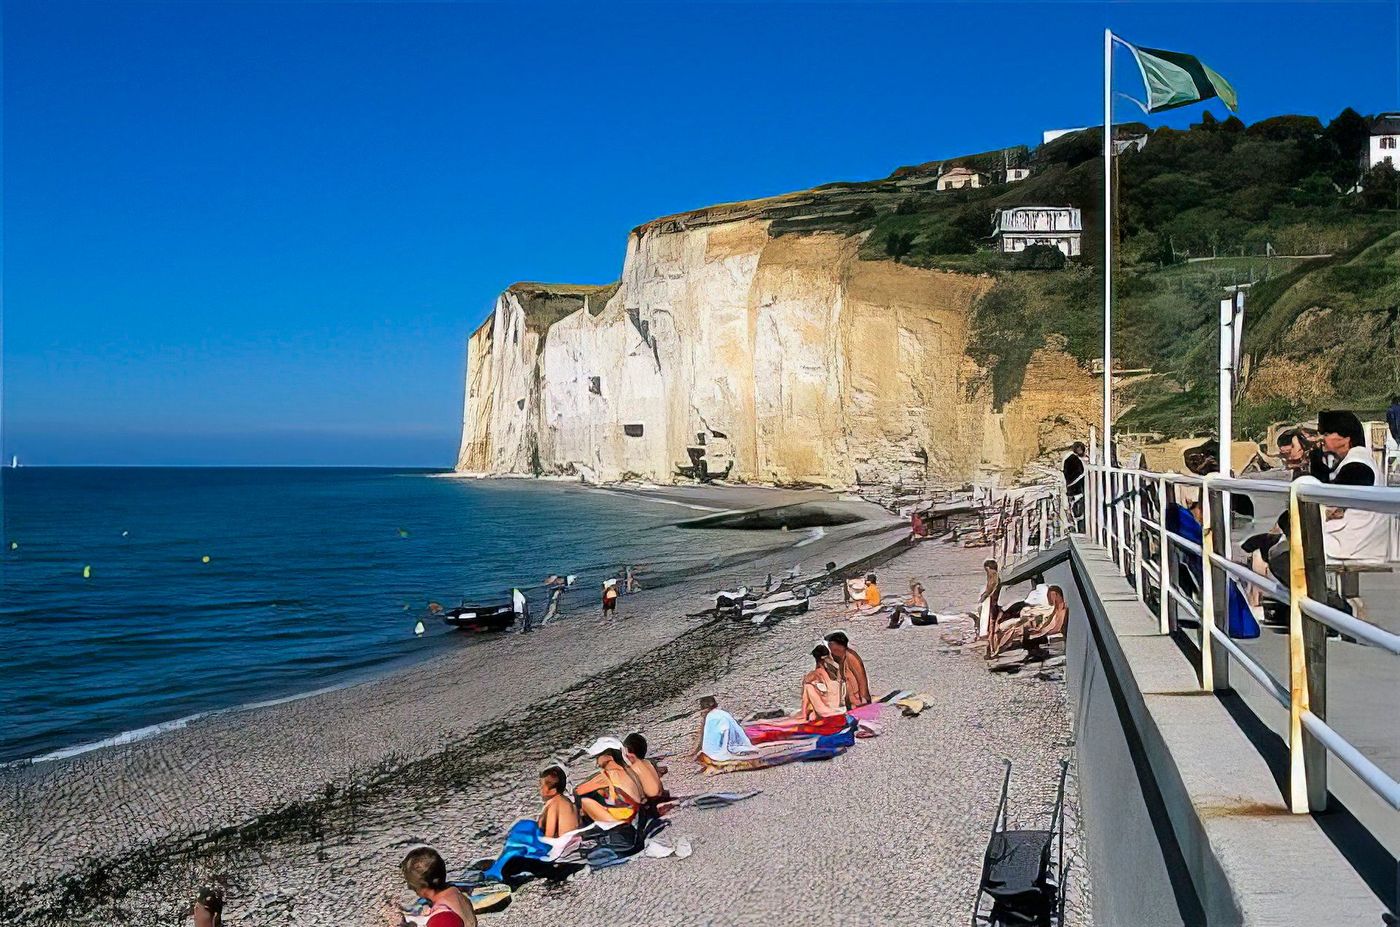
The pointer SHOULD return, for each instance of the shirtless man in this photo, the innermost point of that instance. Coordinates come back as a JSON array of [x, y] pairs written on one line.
[[634, 751], [853, 678], [1032, 631], [558, 815], [614, 794]]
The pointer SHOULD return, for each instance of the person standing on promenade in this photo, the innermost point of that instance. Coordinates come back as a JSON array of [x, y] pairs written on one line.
[[1074, 482], [855, 684], [426, 873]]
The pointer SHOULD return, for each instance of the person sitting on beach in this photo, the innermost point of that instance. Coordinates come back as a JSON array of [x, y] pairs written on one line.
[[614, 794], [855, 685], [1031, 626], [721, 737], [915, 608], [821, 688], [558, 816], [426, 873], [208, 908], [634, 751]]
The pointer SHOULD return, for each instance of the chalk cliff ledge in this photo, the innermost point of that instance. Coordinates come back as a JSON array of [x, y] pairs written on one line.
[[753, 338]]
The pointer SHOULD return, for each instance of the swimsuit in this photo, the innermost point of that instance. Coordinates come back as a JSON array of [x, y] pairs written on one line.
[[440, 915], [618, 804]]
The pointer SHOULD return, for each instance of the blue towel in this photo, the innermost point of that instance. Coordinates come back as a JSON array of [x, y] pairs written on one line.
[[524, 840]]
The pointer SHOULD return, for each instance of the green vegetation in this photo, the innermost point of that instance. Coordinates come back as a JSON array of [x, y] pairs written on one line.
[[1274, 205]]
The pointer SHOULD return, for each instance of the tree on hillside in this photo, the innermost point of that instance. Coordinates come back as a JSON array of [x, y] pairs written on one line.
[[1351, 133], [1380, 189], [898, 244]]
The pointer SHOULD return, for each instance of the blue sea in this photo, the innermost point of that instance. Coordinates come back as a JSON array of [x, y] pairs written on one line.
[[112, 622]]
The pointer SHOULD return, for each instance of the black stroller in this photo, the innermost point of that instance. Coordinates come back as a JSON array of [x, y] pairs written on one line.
[[1023, 871]]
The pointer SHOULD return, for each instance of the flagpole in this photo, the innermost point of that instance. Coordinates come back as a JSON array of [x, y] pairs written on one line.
[[1108, 246]]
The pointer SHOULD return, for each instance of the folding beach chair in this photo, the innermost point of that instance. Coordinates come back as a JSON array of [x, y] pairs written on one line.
[[1023, 870]]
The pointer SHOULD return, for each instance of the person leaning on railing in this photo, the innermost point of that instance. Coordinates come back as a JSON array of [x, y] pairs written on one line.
[[1351, 533]]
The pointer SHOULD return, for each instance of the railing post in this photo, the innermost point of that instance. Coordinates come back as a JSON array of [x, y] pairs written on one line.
[[1044, 522], [1207, 589], [1220, 587], [1139, 579], [1307, 656], [1025, 530], [1164, 556]]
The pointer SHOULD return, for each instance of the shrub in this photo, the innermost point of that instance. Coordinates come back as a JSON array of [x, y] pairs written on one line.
[[1041, 257]]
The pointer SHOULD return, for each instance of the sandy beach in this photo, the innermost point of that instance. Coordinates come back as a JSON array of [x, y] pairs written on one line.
[[304, 808]]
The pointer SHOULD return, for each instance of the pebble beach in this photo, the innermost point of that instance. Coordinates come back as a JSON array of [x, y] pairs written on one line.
[[303, 810]]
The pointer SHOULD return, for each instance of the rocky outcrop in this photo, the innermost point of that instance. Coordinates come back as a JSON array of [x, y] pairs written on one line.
[[785, 357]]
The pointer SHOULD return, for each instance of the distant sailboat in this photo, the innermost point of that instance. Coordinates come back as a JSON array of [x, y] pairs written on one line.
[[14, 461]]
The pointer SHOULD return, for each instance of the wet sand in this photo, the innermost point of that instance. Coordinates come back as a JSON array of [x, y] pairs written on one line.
[[299, 804]]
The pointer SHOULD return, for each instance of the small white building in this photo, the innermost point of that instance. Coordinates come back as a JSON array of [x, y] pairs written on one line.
[[1385, 141], [1014, 174], [1017, 228], [959, 178]]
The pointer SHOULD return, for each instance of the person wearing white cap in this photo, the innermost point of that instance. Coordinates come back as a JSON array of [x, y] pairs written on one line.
[[614, 794]]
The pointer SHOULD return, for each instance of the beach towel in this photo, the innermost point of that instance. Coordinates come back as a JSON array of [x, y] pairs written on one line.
[[822, 748], [719, 799], [793, 729], [724, 738], [524, 840]]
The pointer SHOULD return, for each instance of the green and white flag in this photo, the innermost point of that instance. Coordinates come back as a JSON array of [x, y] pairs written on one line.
[[1174, 79]]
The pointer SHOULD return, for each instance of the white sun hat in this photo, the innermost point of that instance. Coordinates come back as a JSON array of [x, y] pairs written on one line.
[[604, 743]]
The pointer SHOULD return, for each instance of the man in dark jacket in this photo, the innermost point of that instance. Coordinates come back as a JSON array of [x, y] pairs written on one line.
[[1074, 482]]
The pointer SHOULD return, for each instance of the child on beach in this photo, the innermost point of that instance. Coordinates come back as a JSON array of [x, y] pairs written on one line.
[[558, 815], [426, 873], [634, 751]]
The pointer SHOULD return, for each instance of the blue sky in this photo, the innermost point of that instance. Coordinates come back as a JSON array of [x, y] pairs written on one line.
[[261, 232]]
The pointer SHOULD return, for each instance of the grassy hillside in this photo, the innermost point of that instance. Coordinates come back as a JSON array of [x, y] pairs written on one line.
[[1198, 209]]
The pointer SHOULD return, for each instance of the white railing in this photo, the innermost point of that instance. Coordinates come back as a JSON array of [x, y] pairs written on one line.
[[1116, 520], [1030, 519]]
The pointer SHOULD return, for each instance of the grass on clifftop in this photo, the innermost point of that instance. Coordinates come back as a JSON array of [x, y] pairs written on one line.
[[1219, 204]]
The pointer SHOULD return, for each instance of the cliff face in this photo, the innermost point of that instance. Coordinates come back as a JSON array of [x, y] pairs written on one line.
[[785, 356]]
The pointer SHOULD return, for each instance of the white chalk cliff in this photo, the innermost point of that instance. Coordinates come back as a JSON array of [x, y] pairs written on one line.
[[779, 350]]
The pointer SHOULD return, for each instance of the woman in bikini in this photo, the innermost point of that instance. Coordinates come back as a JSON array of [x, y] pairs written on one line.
[[426, 873], [821, 692], [617, 795]]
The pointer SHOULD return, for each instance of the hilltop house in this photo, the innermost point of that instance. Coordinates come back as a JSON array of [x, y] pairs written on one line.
[[960, 177], [1017, 228], [1385, 140]]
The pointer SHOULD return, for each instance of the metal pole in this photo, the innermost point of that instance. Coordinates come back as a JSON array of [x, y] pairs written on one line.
[[1207, 589], [1091, 494], [1227, 407], [1108, 246], [1163, 559]]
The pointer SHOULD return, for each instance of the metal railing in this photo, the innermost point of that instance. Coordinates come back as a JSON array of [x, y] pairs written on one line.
[[1031, 519], [1115, 502]]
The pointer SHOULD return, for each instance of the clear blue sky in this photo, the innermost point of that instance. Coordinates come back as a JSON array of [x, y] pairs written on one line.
[[261, 232]]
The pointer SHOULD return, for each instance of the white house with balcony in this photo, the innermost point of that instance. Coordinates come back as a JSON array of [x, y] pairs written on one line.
[[1017, 228], [1385, 140], [959, 178]]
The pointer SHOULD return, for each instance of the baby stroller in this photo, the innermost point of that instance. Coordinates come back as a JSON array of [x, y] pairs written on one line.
[[1023, 871]]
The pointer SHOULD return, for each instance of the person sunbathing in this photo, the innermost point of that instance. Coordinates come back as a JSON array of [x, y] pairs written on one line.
[[821, 688], [558, 816], [855, 684], [1030, 626], [426, 873], [614, 794], [634, 751]]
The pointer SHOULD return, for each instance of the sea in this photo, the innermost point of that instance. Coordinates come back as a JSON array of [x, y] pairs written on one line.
[[133, 600]]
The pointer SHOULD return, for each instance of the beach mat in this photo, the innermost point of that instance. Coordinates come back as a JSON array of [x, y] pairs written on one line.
[[792, 729]]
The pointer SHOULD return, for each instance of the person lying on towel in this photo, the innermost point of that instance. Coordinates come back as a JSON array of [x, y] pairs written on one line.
[[558, 816], [614, 794], [634, 751], [821, 687], [721, 737], [1031, 626], [855, 685]]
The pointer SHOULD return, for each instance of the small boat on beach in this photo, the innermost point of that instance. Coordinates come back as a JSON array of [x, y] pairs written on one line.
[[480, 618]]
